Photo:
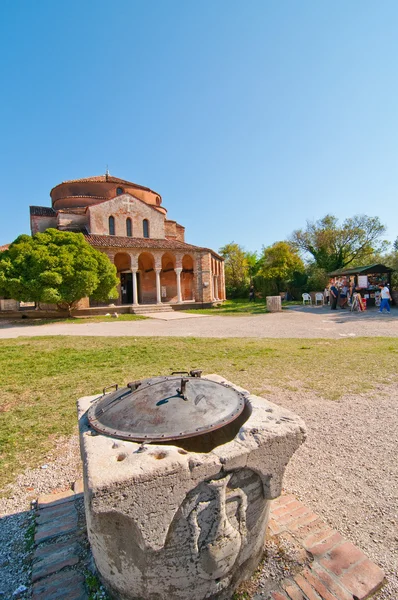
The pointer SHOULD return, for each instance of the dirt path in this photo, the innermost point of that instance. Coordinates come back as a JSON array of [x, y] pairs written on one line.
[[296, 322]]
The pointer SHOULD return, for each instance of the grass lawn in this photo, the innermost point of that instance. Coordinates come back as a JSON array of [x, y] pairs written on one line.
[[238, 307], [42, 377]]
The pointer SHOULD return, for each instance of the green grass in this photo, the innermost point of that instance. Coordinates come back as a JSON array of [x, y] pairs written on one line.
[[94, 587], [239, 307], [234, 307], [41, 378]]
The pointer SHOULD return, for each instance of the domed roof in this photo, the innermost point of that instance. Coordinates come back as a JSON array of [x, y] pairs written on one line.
[[92, 190], [107, 178]]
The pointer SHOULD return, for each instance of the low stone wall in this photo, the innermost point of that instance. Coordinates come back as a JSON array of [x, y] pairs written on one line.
[[33, 314], [8, 305]]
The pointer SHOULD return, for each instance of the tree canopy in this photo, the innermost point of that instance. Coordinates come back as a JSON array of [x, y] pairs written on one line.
[[238, 268], [335, 246], [56, 267], [279, 263]]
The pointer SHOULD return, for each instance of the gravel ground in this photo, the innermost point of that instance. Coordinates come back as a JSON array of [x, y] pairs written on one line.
[[61, 468], [346, 472], [302, 322]]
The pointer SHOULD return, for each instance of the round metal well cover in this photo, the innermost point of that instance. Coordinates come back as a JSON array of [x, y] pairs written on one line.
[[166, 408]]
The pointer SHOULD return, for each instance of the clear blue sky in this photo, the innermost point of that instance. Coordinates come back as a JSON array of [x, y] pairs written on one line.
[[247, 117]]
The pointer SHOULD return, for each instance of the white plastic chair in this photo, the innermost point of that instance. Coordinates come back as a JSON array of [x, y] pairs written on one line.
[[306, 298], [319, 296]]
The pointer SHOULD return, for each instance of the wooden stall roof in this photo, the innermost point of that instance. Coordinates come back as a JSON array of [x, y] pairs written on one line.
[[377, 268]]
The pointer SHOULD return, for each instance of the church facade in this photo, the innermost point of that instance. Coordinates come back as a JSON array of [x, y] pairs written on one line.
[[128, 223]]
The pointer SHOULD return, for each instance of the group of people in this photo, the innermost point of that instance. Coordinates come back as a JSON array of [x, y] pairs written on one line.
[[342, 295], [338, 295]]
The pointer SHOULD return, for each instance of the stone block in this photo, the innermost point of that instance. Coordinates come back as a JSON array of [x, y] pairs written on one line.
[[55, 499], [164, 522]]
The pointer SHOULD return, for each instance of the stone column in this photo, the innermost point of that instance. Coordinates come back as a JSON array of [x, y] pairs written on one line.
[[135, 288], [158, 294], [178, 274]]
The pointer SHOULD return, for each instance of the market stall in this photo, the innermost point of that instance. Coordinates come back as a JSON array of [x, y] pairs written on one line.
[[366, 280]]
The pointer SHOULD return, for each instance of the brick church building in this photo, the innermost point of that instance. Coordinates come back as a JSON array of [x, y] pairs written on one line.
[[128, 223]]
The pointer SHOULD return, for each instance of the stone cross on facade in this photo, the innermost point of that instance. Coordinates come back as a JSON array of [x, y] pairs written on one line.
[[128, 203]]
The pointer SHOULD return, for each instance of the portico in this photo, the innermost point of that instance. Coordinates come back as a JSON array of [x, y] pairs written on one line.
[[155, 277]]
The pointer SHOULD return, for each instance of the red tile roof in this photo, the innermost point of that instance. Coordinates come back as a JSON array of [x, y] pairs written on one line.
[[114, 241], [5, 247], [42, 211]]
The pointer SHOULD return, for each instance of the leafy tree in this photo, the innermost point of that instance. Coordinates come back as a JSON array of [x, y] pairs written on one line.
[[335, 246], [57, 267], [237, 266], [391, 260], [278, 265], [317, 278]]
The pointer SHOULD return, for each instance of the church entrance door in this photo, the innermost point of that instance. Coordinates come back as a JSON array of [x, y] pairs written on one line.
[[126, 287]]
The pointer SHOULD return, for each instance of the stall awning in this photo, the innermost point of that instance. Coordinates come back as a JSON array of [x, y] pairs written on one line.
[[377, 268]]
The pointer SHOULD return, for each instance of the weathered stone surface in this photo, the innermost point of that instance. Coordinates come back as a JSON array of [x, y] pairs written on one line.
[[55, 499], [274, 303], [164, 522]]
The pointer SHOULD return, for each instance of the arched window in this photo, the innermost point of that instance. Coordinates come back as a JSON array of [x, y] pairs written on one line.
[[145, 227], [129, 229], [111, 225], [119, 191]]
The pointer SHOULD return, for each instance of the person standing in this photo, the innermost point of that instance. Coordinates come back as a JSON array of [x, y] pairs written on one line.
[[326, 295], [334, 294], [343, 295], [385, 297]]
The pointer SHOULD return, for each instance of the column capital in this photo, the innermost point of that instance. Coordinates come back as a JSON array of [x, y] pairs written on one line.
[[178, 269], [158, 269]]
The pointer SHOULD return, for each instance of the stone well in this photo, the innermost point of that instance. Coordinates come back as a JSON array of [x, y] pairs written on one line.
[[185, 519]]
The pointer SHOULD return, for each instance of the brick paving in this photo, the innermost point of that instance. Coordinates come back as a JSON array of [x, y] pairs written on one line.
[[336, 569], [60, 548]]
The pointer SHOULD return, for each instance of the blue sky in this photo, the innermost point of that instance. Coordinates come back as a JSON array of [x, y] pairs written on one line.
[[247, 117]]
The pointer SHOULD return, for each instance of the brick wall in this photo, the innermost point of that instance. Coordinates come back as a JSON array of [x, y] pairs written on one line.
[[40, 224], [124, 207]]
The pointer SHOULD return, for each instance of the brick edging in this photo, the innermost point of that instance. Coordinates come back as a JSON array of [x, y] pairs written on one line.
[[58, 548], [338, 570]]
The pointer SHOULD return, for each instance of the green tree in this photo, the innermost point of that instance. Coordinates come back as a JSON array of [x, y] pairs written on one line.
[[237, 267], [391, 260], [279, 265], [335, 246], [317, 278], [57, 267]]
